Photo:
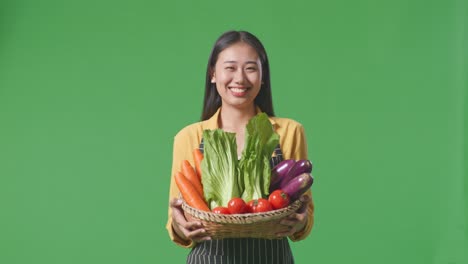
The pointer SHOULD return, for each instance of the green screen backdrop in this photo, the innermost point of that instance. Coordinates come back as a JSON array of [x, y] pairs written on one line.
[[93, 92]]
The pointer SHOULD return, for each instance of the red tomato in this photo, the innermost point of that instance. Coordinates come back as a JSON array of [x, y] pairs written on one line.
[[262, 206], [250, 206], [278, 199], [236, 205], [258, 206], [221, 210]]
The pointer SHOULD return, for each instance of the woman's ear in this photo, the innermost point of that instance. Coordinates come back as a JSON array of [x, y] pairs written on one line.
[[213, 78]]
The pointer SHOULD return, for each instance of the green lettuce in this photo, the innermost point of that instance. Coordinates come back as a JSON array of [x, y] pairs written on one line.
[[254, 166], [224, 176], [219, 167]]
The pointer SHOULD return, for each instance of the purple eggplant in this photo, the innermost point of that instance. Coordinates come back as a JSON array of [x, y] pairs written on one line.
[[279, 172], [298, 185], [301, 166]]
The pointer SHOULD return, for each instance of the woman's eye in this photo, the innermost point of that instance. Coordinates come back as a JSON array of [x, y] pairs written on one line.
[[229, 68], [251, 69]]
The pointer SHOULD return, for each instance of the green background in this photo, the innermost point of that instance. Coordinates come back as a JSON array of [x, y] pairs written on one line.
[[92, 93]]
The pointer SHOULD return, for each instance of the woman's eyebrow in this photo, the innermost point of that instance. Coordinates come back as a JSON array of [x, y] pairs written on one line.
[[233, 61]]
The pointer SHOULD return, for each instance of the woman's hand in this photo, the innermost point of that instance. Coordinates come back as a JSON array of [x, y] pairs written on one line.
[[298, 220], [186, 230]]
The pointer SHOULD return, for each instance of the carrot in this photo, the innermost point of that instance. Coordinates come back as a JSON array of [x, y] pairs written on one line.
[[191, 175], [189, 193], [197, 157]]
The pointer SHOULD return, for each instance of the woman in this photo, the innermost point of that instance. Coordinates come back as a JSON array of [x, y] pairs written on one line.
[[237, 88]]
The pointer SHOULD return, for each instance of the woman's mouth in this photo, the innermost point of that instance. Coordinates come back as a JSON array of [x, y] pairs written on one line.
[[238, 92]]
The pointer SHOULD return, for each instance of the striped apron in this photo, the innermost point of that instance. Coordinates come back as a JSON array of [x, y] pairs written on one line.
[[243, 250]]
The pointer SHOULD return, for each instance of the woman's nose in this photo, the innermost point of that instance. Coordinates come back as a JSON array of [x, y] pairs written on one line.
[[239, 76]]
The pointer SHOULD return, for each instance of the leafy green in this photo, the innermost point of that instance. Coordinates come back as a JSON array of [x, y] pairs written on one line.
[[254, 166], [219, 167], [224, 176]]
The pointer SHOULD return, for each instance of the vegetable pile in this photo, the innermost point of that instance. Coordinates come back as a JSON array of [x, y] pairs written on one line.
[[221, 183], [224, 176]]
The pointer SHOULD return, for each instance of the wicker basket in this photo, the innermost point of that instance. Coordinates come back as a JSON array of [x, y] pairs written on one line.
[[257, 225]]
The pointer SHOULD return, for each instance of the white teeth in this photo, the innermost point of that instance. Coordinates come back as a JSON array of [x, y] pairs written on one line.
[[238, 90]]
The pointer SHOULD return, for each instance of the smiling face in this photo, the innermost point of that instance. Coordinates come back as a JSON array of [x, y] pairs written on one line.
[[238, 75]]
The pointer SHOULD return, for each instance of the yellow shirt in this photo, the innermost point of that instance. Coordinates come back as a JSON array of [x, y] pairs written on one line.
[[293, 146]]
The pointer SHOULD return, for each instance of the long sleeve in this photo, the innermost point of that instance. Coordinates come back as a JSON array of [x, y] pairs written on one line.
[[295, 147], [181, 150]]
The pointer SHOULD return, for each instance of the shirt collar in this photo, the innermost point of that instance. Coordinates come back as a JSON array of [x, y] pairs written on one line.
[[212, 123]]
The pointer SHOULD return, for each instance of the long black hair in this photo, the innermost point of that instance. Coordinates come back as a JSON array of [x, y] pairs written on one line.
[[212, 100]]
